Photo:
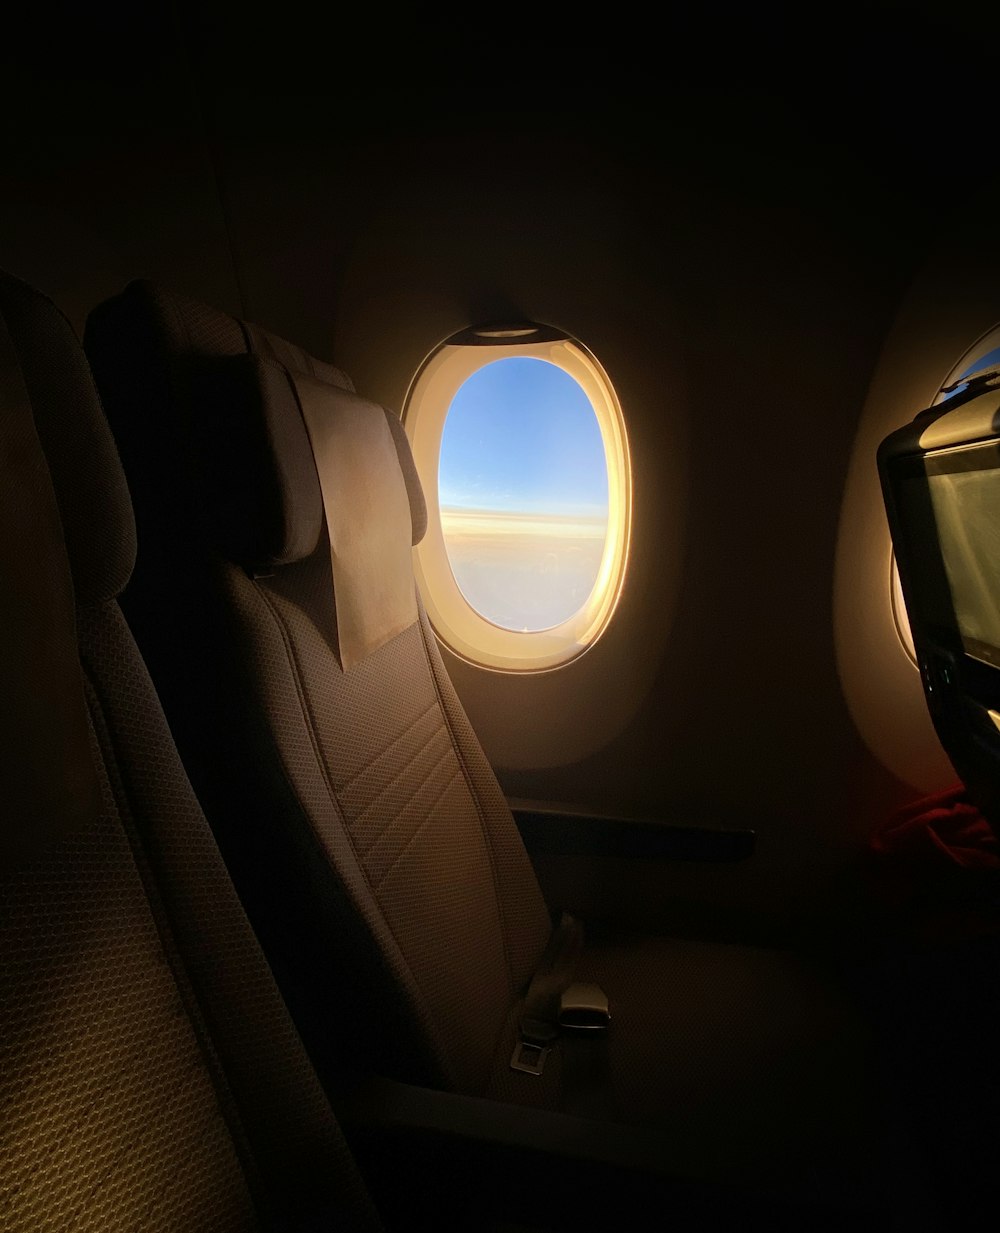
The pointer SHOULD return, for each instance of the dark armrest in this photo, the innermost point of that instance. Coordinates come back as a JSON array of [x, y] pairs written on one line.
[[463, 1162], [553, 831]]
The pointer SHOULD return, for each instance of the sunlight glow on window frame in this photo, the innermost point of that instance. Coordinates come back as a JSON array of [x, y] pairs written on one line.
[[455, 621], [990, 341], [899, 614]]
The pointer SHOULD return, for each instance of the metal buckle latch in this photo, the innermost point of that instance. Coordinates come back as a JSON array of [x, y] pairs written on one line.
[[530, 1052], [528, 1057], [584, 1008]]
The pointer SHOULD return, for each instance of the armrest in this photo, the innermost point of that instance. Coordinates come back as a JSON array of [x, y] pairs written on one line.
[[464, 1162], [555, 831]]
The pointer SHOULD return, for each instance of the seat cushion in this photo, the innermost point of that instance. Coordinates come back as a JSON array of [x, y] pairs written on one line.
[[754, 1065]]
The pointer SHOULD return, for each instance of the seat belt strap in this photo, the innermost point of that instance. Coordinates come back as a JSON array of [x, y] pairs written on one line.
[[554, 1002]]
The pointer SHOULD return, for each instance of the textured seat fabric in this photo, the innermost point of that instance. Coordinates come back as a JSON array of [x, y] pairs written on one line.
[[356, 810], [361, 818], [150, 1076]]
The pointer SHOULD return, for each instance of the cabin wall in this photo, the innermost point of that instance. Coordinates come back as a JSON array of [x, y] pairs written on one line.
[[733, 250], [953, 301], [105, 168], [736, 277]]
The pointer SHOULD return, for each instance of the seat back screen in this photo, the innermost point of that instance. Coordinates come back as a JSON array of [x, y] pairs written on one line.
[[966, 508]]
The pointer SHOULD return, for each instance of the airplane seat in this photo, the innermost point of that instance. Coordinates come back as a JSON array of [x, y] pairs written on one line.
[[150, 1076], [366, 832]]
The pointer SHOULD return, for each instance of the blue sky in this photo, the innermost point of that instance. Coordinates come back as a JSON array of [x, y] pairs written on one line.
[[521, 435], [984, 361]]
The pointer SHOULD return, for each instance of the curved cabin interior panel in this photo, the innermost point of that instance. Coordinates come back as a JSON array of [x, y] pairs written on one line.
[[485, 747]]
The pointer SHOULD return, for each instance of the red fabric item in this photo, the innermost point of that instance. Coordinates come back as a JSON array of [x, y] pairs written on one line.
[[945, 825], [935, 866]]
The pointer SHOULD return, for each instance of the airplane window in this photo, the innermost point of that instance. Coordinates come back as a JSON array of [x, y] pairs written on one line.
[[987, 354], [519, 434], [523, 490]]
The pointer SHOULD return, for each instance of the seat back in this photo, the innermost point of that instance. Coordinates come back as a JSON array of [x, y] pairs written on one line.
[[150, 1076], [347, 790], [940, 477]]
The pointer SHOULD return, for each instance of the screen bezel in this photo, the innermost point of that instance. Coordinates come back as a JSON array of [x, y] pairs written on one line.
[[923, 576]]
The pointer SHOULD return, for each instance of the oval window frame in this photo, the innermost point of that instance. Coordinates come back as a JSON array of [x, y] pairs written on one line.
[[457, 624], [988, 341], [900, 616]]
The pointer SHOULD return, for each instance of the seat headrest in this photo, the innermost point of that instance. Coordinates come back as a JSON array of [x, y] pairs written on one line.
[[47, 774], [368, 518], [225, 388], [87, 475]]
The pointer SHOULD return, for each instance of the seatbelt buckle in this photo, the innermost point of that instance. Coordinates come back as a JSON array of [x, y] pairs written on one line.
[[584, 1008], [535, 1040], [529, 1057]]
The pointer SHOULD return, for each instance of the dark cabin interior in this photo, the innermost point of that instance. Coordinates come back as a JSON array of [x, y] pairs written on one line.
[[776, 230]]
